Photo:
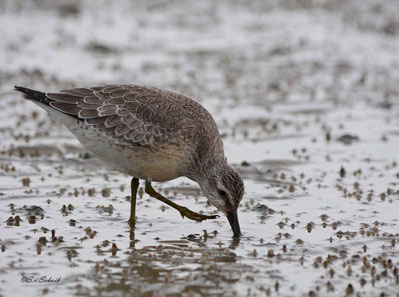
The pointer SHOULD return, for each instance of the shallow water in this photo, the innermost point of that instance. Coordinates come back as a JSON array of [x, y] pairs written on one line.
[[306, 101]]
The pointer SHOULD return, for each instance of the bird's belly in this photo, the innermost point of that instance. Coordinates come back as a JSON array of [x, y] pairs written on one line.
[[156, 163], [160, 163]]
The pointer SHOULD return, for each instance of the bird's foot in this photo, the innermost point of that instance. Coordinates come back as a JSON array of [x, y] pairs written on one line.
[[185, 212]]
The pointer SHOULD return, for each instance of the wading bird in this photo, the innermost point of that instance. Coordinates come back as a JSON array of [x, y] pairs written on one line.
[[150, 134]]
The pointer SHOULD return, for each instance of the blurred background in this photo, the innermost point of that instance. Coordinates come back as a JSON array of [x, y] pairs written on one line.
[[305, 94], [253, 51]]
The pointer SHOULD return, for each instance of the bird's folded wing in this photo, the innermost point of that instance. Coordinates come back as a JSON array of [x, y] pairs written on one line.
[[127, 113]]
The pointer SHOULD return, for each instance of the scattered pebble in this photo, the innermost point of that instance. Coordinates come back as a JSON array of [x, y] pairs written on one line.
[[106, 192]]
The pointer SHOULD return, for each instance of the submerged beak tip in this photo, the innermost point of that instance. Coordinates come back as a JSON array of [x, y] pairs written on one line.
[[234, 223]]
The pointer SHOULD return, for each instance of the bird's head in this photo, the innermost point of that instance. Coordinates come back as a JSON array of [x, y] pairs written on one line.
[[224, 189]]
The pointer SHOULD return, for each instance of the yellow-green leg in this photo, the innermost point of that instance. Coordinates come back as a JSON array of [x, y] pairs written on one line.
[[184, 211], [133, 186]]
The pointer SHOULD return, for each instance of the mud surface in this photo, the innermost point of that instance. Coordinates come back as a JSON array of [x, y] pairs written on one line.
[[305, 94]]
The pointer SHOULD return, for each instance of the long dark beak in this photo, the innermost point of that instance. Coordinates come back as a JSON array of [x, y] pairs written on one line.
[[235, 225]]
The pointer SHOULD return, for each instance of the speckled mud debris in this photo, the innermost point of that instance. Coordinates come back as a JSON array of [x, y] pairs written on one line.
[[305, 94]]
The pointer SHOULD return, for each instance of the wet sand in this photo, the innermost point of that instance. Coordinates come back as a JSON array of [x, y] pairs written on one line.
[[306, 98]]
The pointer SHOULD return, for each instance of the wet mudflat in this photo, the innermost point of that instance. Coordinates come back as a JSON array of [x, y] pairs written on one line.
[[306, 98]]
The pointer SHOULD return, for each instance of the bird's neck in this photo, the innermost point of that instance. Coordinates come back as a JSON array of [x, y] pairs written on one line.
[[206, 159], [206, 170]]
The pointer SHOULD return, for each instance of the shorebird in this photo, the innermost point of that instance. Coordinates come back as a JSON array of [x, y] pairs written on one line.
[[150, 134]]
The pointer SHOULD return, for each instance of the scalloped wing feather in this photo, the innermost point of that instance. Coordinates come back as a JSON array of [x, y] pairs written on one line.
[[137, 115]]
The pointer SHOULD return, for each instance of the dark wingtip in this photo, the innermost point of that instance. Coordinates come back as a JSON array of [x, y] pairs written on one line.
[[19, 89], [24, 91], [32, 94]]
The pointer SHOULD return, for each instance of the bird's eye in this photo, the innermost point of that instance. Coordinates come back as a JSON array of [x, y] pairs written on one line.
[[222, 193]]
